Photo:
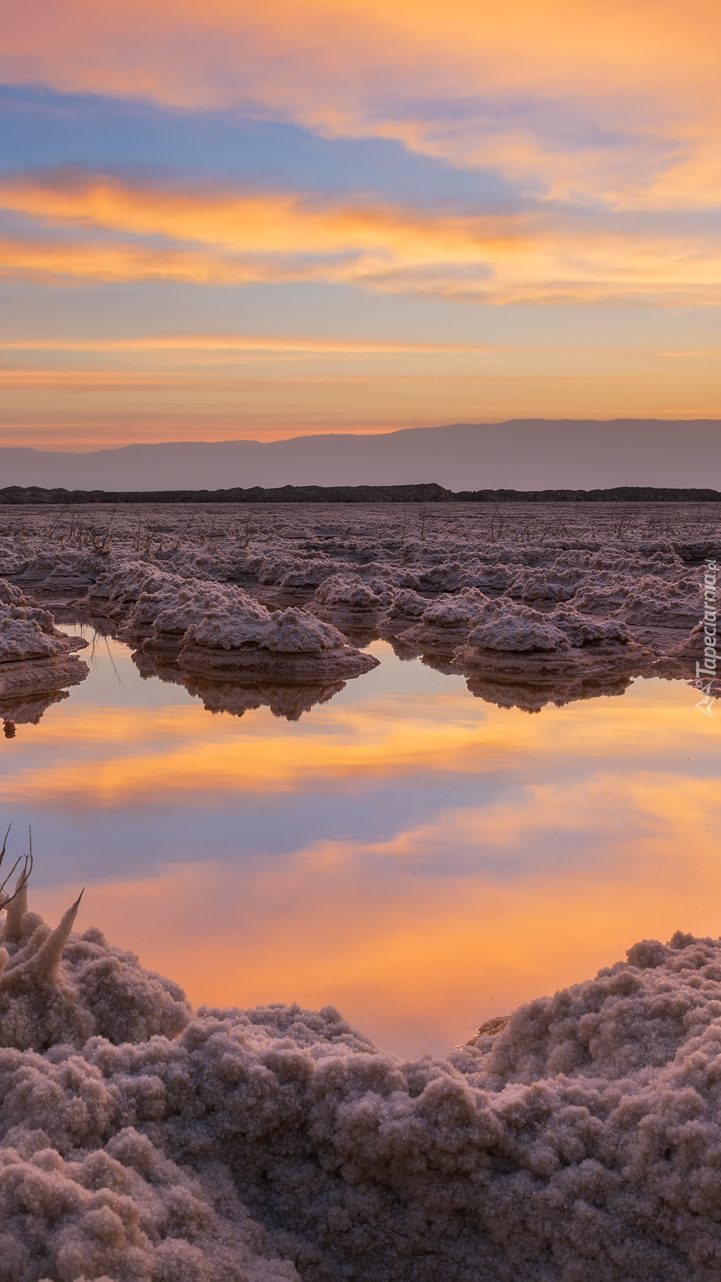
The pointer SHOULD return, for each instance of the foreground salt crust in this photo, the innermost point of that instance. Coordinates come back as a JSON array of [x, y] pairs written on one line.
[[577, 1141]]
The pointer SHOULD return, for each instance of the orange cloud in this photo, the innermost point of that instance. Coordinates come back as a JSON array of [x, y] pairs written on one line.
[[276, 223], [212, 235], [252, 344], [524, 87]]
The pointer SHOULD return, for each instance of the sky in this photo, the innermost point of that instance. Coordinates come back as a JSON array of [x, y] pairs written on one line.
[[230, 220]]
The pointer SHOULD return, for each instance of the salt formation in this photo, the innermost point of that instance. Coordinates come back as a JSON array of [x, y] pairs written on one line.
[[519, 641], [425, 579], [405, 608], [59, 571], [348, 593], [35, 658], [121, 584], [162, 615], [97, 990], [219, 630], [245, 639], [446, 622], [577, 1139]]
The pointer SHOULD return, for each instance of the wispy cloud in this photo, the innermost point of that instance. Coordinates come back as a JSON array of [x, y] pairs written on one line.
[[616, 104], [247, 343], [91, 226]]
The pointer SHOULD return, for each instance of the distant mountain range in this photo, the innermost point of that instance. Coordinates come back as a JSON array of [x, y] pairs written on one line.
[[522, 454]]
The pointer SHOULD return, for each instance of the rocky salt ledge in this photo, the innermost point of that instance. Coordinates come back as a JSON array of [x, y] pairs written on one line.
[[576, 1141]]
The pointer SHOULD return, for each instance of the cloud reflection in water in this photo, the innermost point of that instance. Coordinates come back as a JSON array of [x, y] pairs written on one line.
[[415, 856]]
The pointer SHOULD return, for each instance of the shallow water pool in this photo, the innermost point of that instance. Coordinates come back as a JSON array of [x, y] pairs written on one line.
[[415, 856]]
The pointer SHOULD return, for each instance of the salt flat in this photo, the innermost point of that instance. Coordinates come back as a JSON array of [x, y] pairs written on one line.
[[575, 1139]]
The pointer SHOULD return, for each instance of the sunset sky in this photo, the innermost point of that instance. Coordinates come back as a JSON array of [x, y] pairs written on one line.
[[227, 220]]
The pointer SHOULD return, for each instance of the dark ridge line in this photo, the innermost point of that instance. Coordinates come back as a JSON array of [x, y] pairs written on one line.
[[32, 495]]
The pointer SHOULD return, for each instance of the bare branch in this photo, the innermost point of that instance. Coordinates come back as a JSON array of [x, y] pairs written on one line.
[[5, 842], [27, 867]]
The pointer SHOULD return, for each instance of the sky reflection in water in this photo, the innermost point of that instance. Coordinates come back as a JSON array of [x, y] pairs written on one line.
[[419, 858]]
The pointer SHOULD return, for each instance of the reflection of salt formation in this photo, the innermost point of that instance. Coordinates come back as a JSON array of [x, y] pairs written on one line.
[[681, 659], [575, 1139], [153, 665], [285, 699], [245, 639], [28, 711], [559, 690], [35, 658]]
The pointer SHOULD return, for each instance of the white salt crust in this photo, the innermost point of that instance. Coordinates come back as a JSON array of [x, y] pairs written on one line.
[[576, 1141]]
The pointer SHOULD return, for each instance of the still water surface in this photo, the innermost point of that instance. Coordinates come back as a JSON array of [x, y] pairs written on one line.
[[408, 853]]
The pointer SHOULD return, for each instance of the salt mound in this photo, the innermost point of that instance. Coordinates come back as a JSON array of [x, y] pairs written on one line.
[[520, 642], [62, 570], [405, 607], [576, 1140], [247, 640], [306, 574], [162, 617], [447, 621], [35, 658], [518, 629], [124, 582], [675, 603], [584, 631], [347, 591], [29, 632]]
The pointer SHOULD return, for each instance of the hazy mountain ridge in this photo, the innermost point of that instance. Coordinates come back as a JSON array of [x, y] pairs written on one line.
[[521, 454]]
